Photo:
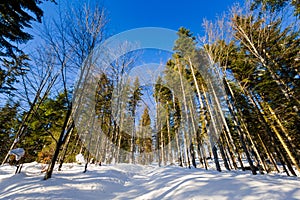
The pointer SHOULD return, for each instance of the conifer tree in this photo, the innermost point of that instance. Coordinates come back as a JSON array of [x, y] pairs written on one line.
[[145, 138], [133, 103], [15, 17], [8, 126]]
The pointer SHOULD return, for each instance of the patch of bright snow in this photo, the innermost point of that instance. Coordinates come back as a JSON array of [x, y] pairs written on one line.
[[125, 181]]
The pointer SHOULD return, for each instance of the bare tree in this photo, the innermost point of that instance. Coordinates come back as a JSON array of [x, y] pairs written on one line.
[[72, 47], [37, 85]]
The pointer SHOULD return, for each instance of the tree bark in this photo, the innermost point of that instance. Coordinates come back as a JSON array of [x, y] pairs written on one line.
[[59, 143]]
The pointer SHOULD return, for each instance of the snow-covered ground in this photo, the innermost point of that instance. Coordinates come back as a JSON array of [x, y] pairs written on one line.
[[124, 181]]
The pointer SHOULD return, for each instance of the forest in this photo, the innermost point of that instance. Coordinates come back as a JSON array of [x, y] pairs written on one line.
[[230, 95]]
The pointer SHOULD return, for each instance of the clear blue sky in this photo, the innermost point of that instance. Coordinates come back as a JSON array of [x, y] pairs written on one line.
[[125, 15], [129, 14], [164, 13]]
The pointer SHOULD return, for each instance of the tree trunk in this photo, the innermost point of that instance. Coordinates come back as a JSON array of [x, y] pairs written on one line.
[[223, 155], [215, 153], [170, 155], [59, 143], [230, 149], [280, 138], [214, 148], [64, 151], [247, 154], [186, 133]]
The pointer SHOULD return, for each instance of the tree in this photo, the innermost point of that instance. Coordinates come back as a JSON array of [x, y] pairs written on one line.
[[144, 140], [198, 70], [275, 5], [261, 56], [164, 118], [103, 109], [271, 57], [15, 17], [72, 47], [8, 126], [133, 103], [43, 129], [219, 55], [37, 86]]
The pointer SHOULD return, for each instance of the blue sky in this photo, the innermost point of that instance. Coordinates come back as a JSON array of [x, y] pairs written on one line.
[[170, 14], [128, 14]]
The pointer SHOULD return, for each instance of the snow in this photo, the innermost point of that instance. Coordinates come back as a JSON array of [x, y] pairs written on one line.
[[18, 153], [125, 181], [80, 159]]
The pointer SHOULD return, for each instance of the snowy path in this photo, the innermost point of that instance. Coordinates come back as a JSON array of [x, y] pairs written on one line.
[[143, 182]]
